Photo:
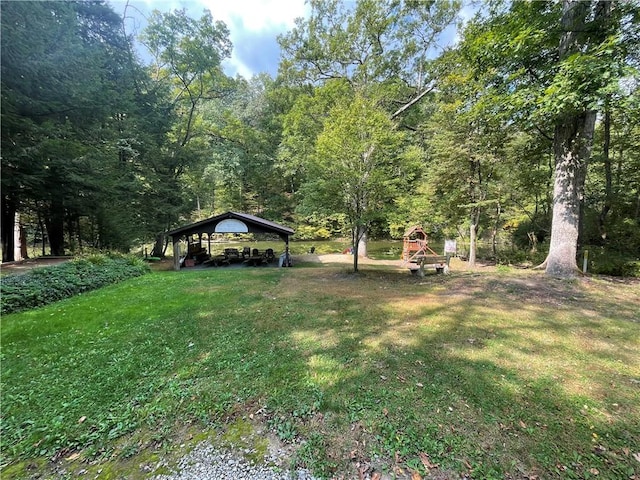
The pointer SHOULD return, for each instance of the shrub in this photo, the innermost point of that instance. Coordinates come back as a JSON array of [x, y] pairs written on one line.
[[49, 284], [610, 262], [305, 232], [520, 257]]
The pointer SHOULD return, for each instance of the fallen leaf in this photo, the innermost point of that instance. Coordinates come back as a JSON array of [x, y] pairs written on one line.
[[376, 476], [594, 471], [362, 472], [73, 456], [522, 424], [385, 412], [636, 456], [426, 461], [82, 419], [415, 476]]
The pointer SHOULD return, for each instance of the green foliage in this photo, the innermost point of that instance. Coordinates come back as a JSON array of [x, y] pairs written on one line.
[[46, 285], [609, 262], [306, 232], [119, 152], [507, 256]]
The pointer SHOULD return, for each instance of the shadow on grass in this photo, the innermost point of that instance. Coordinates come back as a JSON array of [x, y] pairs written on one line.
[[521, 388], [492, 376]]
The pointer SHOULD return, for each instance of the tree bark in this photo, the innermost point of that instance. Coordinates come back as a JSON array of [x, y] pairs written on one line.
[[158, 247], [54, 222], [572, 147], [473, 233], [573, 138], [6, 227]]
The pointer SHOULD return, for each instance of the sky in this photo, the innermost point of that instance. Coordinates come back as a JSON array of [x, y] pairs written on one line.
[[253, 26]]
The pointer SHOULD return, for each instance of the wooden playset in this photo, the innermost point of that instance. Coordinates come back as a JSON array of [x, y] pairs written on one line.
[[417, 255]]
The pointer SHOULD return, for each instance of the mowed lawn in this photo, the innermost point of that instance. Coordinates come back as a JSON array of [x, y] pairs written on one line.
[[498, 374]]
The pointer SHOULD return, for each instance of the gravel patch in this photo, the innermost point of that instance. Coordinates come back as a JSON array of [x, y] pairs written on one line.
[[206, 462]]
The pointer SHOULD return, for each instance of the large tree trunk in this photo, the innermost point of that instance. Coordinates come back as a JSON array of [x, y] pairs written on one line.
[[572, 147], [54, 221], [20, 242], [473, 234], [572, 143], [6, 227], [159, 246]]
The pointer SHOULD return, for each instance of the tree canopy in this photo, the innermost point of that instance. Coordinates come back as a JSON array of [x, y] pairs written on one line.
[[522, 134]]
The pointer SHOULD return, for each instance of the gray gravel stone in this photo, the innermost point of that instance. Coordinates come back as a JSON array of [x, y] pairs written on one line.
[[206, 462]]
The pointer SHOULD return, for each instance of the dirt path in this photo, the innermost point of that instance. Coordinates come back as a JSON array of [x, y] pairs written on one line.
[[25, 265], [345, 259]]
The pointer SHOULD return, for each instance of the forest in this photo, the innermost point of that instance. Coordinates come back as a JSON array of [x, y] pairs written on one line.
[[524, 134]]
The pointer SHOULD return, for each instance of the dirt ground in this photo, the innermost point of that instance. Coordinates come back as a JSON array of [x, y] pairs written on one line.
[[29, 264], [338, 258]]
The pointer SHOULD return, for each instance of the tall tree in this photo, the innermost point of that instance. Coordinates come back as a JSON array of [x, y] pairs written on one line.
[[187, 55], [356, 170], [246, 132], [556, 64], [574, 129], [466, 134], [62, 79], [370, 49]]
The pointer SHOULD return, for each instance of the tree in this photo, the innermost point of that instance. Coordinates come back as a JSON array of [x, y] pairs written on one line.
[[356, 170], [373, 50], [62, 81], [466, 133], [246, 131], [187, 61], [573, 139], [557, 64]]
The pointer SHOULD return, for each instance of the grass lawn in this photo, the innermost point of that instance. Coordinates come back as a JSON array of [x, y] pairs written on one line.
[[503, 374]]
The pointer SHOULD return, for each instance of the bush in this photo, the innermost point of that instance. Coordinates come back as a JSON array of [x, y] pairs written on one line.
[[610, 262], [305, 232], [49, 284], [520, 257]]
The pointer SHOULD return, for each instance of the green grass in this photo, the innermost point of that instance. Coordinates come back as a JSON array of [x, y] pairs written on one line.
[[506, 373]]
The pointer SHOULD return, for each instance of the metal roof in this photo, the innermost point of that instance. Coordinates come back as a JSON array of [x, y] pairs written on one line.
[[254, 224]]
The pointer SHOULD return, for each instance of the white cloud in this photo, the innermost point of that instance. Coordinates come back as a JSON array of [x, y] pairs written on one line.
[[256, 15], [249, 22], [253, 26]]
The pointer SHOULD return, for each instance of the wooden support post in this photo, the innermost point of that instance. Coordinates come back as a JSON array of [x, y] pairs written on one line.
[[176, 253]]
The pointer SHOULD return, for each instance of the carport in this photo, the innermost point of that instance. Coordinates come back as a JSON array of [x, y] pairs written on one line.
[[229, 222]]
